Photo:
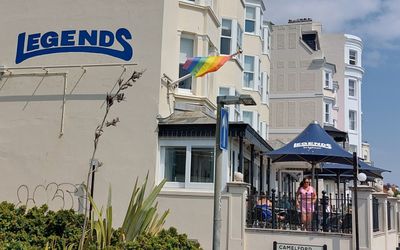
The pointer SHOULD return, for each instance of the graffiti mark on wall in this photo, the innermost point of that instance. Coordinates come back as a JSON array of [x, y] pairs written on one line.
[[55, 195]]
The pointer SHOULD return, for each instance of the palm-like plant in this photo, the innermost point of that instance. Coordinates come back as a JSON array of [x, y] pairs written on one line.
[[102, 227], [141, 216]]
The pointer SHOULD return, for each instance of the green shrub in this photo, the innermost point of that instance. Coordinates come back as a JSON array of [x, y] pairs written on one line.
[[29, 229], [38, 227], [166, 239]]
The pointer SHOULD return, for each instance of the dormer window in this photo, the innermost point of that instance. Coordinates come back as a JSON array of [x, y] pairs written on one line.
[[311, 39]]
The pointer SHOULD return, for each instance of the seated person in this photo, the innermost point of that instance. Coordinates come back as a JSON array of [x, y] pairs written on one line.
[[266, 209]]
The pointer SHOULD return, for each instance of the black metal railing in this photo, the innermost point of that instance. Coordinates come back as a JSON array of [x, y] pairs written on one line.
[[330, 213], [389, 216], [375, 214]]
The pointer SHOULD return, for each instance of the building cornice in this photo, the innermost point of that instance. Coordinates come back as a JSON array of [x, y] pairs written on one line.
[[206, 9], [349, 67]]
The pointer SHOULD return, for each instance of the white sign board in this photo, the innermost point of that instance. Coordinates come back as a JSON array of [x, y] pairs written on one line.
[[288, 246]]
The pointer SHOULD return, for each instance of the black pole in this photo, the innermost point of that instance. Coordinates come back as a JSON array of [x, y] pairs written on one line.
[[317, 200], [324, 213], [261, 172], [338, 183], [313, 173], [251, 170], [241, 158], [269, 176], [92, 190], [355, 208]]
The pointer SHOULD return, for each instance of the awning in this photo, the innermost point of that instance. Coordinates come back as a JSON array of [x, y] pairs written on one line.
[[198, 124]]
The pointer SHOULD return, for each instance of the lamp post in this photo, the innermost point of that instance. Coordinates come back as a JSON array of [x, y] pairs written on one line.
[[355, 208], [221, 101]]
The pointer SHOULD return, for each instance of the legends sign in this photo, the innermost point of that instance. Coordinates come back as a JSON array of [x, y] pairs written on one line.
[[288, 246], [115, 44]]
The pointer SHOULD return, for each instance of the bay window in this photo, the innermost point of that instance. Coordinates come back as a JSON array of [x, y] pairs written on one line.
[[187, 164]]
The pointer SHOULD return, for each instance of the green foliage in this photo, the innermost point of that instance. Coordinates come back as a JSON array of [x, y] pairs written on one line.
[[165, 239], [101, 229], [141, 216], [39, 228], [34, 228]]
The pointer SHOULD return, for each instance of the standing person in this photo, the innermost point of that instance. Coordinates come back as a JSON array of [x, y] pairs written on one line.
[[305, 201]]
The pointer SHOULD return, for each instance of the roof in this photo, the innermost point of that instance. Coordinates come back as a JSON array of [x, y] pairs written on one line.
[[337, 134], [188, 117], [199, 124]]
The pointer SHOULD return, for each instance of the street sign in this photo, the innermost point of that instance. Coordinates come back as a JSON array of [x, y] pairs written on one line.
[[224, 129], [288, 246]]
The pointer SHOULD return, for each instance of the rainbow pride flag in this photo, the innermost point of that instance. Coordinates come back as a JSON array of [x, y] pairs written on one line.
[[199, 66]]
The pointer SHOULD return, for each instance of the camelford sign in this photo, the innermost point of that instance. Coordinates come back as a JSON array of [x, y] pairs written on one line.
[[287, 246], [87, 41], [312, 145]]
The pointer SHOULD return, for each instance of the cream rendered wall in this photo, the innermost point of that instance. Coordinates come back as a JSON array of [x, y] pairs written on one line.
[[333, 48], [253, 46], [32, 152], [234, 10], [192, 213], [296, 82], [230, 75], [201, 23]]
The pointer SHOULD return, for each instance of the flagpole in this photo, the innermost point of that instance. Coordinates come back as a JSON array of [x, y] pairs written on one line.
[[190, 75], [181, 79]]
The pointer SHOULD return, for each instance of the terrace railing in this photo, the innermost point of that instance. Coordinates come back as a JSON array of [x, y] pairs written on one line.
[[330, 213]]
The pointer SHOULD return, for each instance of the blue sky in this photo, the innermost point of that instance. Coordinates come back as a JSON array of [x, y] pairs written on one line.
[[378, 24]]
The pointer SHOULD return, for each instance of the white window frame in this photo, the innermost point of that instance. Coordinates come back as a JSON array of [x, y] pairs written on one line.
[[227, 37], [185, 36], [265, 88], [189, 144], [236, 39], [251, 19], [354, 88], [252, 116], [264, 130], [328, 83], [355, 120], [233, 110], [239, 43], [266, 40], [328, 111], [355, 59], [259, 78], [255, 72], [255, 119]]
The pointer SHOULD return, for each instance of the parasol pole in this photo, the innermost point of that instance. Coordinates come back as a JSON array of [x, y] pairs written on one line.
[[313, 173]]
